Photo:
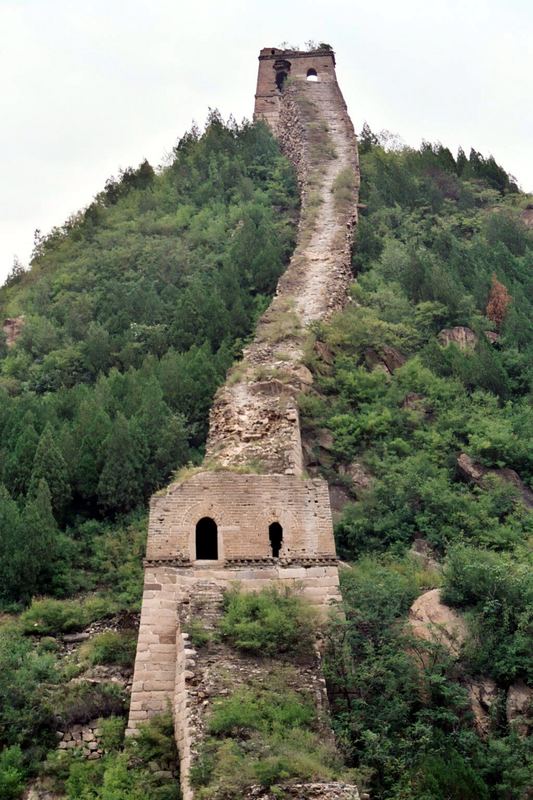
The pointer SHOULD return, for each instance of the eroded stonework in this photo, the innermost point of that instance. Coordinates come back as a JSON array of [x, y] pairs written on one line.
[[216, 527]]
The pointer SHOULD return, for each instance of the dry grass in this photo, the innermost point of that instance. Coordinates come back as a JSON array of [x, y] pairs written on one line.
[[344, 190]]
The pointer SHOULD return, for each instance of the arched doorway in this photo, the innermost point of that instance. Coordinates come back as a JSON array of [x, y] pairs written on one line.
[[312, 75], [275, 534], [206, 540], [282, 69]]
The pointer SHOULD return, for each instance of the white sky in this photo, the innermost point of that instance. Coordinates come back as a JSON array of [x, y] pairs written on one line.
[[89, 87]]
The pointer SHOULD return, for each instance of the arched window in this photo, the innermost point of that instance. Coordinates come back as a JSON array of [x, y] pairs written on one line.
[[206, 539], [312, 75], [275, 534]]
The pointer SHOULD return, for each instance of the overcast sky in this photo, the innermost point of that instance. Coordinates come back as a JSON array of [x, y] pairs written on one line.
[[89, 87]]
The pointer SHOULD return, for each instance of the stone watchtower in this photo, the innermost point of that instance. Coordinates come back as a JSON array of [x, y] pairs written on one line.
[[276, 66], [250, 515]]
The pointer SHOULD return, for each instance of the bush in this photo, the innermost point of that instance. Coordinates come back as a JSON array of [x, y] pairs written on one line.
[[82, 702], [110, 647], [499, 596], [48, 616], [268, 622], [198, 633], [12, 773]]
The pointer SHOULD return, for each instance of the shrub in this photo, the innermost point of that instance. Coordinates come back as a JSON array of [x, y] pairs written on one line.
[[198, 633], [12, 773], [48, 616], [112, 732], [268, 622], [260, 709], [110, 647], [81, 702]]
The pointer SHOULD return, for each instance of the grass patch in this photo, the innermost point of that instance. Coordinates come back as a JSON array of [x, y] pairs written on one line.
[[263, 735], [269, 622], [279, 324], [344, 189]]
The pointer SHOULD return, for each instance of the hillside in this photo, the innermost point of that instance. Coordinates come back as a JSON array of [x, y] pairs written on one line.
[[132, 313]]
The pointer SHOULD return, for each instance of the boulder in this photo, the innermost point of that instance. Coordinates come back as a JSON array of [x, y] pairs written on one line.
[[464, 338], [433, 621], [476, 473], [519, 707]]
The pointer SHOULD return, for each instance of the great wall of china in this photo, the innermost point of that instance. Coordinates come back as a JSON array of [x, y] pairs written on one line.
[[250, 515]]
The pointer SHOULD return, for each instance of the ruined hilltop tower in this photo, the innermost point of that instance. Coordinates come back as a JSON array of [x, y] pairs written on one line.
[[250, 515]]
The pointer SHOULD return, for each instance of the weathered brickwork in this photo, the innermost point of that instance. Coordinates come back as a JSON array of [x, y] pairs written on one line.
[[250, 516]]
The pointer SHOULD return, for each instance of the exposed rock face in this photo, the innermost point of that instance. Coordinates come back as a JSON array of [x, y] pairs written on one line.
[[387, 359], [527, 216], [12, 328], [464, 338], [483, 694], [361, 479], [476, 473], [519, 707], [432, 620]]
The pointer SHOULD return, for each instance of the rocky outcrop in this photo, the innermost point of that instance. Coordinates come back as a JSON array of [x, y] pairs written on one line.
[[483, 694], [12, 328], [474, 472], [435, 622], [519, 708], [464, 338], [387, 359]]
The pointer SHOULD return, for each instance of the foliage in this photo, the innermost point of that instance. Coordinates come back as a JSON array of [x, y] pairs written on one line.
[[110, 647], [440, 244], [262, 735], [25, 708], [499, 592], [48, 616], [268, 622], [125, 772], [398, 706], [12, 773], [80, 702], [133, 311]]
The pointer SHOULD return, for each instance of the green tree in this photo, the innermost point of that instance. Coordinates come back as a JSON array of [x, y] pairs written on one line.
[[11, 548], [40, 541], [49, 465], [120, 487]]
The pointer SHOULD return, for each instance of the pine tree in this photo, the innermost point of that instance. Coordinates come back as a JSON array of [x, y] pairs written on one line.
[[11, 551], [19, 464], [40, 541], [120, 487], [50, 465]]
